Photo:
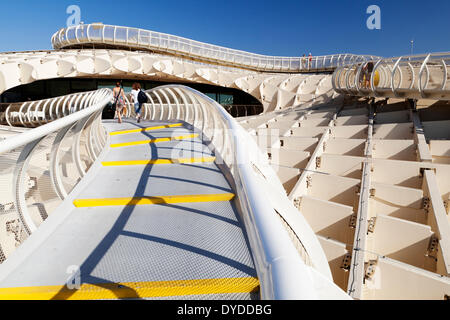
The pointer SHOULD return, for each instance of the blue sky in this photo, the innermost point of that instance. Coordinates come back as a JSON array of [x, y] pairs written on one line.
[[281, 27]]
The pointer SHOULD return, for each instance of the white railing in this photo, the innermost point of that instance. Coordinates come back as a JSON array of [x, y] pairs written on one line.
[[41, 166], [36, 113], [116, 36], [289, 259], [413, 77]]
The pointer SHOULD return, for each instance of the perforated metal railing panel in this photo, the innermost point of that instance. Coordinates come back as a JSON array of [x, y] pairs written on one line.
[[190, 244], [31, 175]]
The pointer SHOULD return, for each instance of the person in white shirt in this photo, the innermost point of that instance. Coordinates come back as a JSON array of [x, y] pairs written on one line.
[[137, 106]]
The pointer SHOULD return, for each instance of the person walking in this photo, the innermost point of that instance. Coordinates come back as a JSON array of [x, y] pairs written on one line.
[[369, 70], [137, 105], [119, 98], [309, 60]]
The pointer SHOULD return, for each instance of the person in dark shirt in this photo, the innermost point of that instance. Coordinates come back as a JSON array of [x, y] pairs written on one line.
[[368, 73]]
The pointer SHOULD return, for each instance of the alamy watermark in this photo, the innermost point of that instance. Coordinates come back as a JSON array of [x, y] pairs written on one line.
[[75, 15], [374, 20], [74, 279]]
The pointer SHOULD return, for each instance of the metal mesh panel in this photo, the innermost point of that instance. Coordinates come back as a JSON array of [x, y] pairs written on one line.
[[38, 175], [68, 171], [32, 177], [296, 241], [87, 155], [98, 137], [12, 229], [40, 196], [225, 296]]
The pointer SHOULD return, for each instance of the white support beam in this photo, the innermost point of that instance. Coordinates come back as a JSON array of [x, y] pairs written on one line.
[[300, 188], [437, 217], [423, 151], [356, 277], [437, 214]]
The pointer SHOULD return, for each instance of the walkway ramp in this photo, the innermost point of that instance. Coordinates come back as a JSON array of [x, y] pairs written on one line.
[[155, 218]]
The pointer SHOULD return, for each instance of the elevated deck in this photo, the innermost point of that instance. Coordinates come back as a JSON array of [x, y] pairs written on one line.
[[103, 36]]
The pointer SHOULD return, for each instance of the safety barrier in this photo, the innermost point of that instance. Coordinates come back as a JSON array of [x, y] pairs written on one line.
[[40, 167], [116, 36], [413, 77], [36, 113]]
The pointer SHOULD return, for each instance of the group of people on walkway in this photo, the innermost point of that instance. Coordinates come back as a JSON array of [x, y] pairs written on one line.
[[137, 99], [307, 61]]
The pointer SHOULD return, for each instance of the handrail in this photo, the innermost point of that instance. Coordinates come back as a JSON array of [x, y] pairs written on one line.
[[423, 67], [104, 96], [444, 78], [383, 84], [156, 41], [22, 113], [286, 269], [39, 167], [394, 69]]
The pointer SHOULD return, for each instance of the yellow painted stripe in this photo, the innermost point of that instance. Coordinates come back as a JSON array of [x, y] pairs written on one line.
[[157, 161], [136, 201], [115, 133], [135, 143], [133, 289]]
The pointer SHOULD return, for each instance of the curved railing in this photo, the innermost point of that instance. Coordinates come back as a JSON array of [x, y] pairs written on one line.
[[288, 257], [413, 77], [36, 113], [40, 167], [119, 37]]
